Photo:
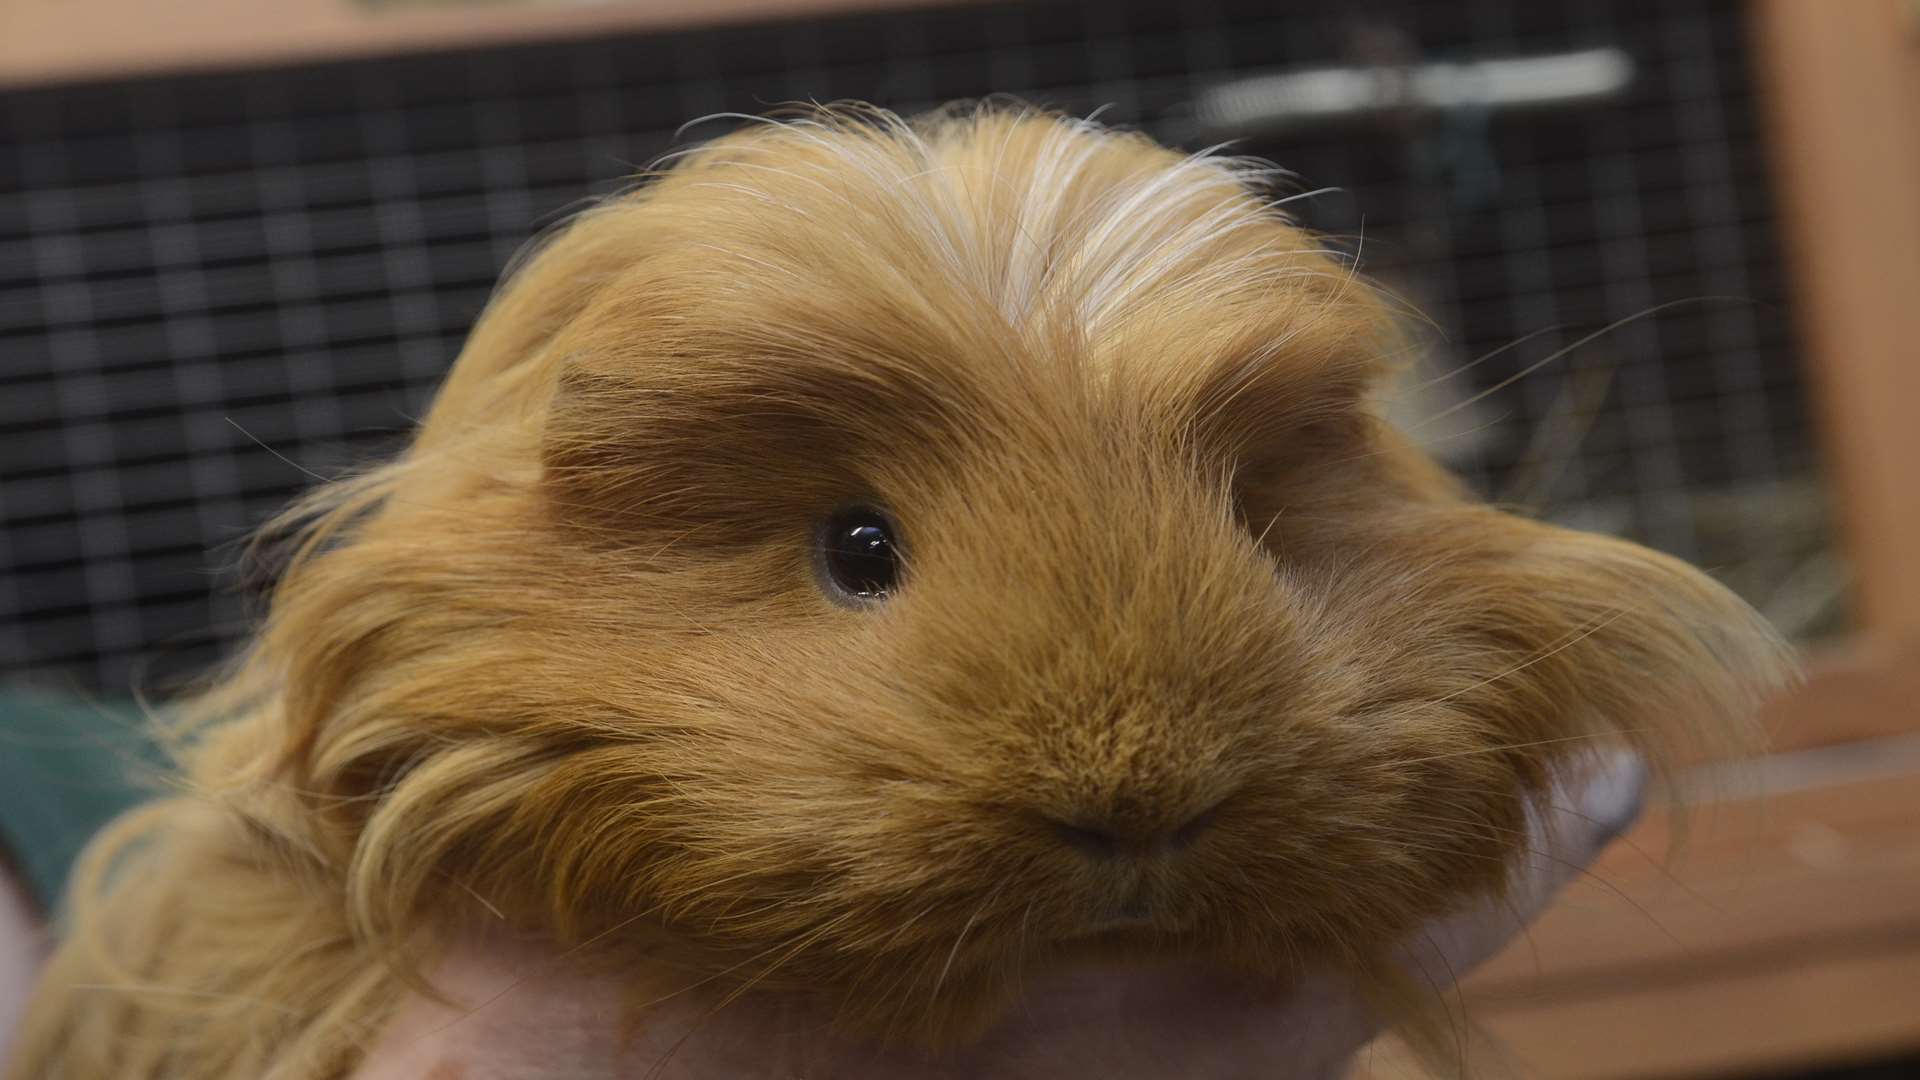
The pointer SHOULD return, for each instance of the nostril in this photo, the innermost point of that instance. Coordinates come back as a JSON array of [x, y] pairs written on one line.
[[1185, 835], [1108, 841], [1087, 841]]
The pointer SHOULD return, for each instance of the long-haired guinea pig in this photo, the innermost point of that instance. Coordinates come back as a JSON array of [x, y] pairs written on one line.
[[872, 561]]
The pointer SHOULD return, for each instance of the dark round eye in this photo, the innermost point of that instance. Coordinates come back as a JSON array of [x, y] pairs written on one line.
[[860, 553]]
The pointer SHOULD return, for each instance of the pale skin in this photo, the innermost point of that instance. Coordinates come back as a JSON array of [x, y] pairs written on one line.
[[22, 948], [516, 1014]]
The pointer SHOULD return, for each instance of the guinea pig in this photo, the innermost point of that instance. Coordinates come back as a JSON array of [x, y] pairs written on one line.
[[874, 560]]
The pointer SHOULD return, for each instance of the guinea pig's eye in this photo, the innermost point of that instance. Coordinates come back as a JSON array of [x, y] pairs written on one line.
[[860, 554]]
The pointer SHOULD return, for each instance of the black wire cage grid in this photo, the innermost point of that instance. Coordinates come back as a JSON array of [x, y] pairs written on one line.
[[214, 286]]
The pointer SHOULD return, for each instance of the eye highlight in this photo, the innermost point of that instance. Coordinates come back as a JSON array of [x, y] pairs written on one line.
[[859, 555]]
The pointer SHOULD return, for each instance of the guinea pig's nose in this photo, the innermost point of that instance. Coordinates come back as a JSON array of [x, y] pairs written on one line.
[[1107, 841], [1087, 840]]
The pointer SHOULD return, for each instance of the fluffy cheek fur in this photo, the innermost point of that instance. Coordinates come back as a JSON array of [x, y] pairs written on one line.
[[685, 754]]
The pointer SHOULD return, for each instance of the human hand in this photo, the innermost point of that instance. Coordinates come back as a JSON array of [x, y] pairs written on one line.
[[23, 948], [518, 1015]]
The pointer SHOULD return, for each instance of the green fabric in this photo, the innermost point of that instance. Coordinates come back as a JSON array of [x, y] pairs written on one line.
[[66, 768]]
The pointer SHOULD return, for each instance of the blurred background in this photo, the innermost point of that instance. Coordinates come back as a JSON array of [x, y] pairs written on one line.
[[240, 243]]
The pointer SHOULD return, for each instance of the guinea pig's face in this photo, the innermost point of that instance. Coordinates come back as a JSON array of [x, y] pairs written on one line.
[[918, 555]]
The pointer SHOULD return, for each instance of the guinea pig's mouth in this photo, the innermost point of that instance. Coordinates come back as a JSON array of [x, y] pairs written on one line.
[[1115, 925], [1116, 931], [1131, 914]]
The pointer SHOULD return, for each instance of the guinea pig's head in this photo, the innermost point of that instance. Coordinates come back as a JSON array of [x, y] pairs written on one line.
[[880, 558]]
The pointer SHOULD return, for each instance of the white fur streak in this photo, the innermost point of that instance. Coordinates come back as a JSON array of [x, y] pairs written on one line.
[[1022, 241]]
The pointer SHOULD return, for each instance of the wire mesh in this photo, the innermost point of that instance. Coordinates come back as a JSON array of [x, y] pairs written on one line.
[[213, 285]]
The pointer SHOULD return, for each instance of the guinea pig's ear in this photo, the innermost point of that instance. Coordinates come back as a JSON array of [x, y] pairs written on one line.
[[507, 360], [1647, 645]]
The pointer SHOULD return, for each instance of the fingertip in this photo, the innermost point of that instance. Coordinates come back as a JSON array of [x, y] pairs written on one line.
[[1614, 794]]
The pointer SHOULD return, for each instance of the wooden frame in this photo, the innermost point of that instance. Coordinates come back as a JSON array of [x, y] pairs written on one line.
[[44, 41], [1842, 88]]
